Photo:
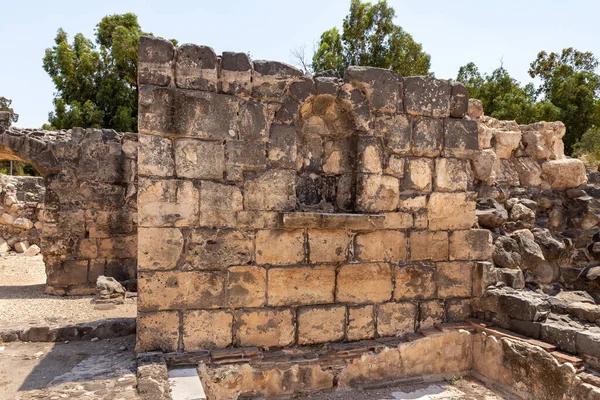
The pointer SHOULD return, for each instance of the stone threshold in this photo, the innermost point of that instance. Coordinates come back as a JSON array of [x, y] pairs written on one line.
[[295, 220], [105, 329]]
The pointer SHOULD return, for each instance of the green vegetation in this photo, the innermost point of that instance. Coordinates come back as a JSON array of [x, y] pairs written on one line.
[[5, 106]]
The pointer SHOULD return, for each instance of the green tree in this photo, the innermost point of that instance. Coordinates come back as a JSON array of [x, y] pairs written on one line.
[[5, 106], [96, 82], [370, 37], [503, 97]]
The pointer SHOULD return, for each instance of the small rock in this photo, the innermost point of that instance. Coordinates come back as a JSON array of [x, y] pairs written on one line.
[[6, 219], [38, 354], [490, 213], [20, 247], [520, 212], [94, 339], [32, 250], [23, 223], [586, 311]]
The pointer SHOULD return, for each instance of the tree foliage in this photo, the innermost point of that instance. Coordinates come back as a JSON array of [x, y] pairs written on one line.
[[369, 37], [96, 82], [5, 106]]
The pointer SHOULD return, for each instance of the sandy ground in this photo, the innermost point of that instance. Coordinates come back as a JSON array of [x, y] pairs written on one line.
[[75, 370], [22, 298]]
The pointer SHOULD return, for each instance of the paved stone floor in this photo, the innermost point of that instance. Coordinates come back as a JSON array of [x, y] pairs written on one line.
[[103, 369], [22, 298]]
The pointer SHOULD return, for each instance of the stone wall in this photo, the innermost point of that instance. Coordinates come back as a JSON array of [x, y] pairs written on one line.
[[277, 209], [90, 212]]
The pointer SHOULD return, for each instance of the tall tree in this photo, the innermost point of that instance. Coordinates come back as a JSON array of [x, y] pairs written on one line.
[[370, 37], [5, 106], [96, 81], [570, 82]]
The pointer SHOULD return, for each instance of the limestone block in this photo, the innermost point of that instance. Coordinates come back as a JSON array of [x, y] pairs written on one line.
[[206, 329], [271, 78], [396, 130], [155, 61], [264, 328], [370, 155], [69, 272], [301, 285], [428, 245], [253, 121], [396, 319], [506, 173], [180, 290], [458, 310], [38, 225], [159, 248], [543, 140], [459, 100], [273, 190], [337, 158], [389, 246], [454, 279], [321, 324], [257, 219], [380, 86], [245, 156], [475, 109], [452, 175], [328, 245], [282, 147], [197, 159], [118, 247], [419, 174], [23, 223], [364, 283], [428, 96], [167, 202], [530, 173], [563, 174], [31, 251], [218, 248], [6, 219], [413, 202], [506, 143], [246, 286], [361, 323], [157, 331], [196, 67], [398, 220], [395, 166], [430, 313], [461, 138], [427, 136], [376, 193], [414, 281], [451, 211], [4, 246], [279, 247], [21, 247], [236, 73], [473, 244], [87, 248], [482, 165], [10, 200], [219, 204]]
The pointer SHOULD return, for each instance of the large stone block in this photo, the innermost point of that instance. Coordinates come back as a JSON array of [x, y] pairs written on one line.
[[118, 247], [236, 73], [271, 78], [388, 246], [167, 202], [361, 323], [473, 244], [246, 286], [543, 140], [159, 248], [431, 312], [279, 247], [219, 204], [414, 281], [506, 142], [370, 155], [396, 129], [245, 156], [273, 190], [155, 156], [563, 174], [461, 138], [418, 175], [452, 175], [376, 193], [321, 324], [196, 67], [157, 331], [530, 173], [178, 290], [206, 329], [396, 319], [380, 85], [328, 245], [424, 95], [428, 245], [459, 100], [253, 121], [196, 159], [364, 283], [213, 249], [264, 328], [427, 136], [451, 211], [301, 285], [155, 61], [282, 147], [454, 279]]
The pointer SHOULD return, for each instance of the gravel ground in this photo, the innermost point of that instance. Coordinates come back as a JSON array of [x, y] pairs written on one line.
[[22, 298]]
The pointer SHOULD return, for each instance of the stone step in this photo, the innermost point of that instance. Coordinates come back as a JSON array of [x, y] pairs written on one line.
[[564, 357]]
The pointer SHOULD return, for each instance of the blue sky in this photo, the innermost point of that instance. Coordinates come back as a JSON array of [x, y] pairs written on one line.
[[452, 32]]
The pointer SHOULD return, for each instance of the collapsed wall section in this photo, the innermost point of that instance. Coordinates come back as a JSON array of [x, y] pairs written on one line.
[[277, 209]]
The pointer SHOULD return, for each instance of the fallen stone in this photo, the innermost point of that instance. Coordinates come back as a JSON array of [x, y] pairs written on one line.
[[586, 311], [506, 254], [20, 247], [564, 173], [23, 223], [490, 214], [32, 250], [520, 212]]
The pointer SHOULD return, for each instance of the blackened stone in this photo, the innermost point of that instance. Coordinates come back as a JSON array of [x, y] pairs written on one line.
[[459, 100], [202, 57], [460, 137], [527, 328], [396, 130], [231, 61], [560, 335], [196, 67], [427, 96], [288, 112], [276, 68], [302, 89], [330, 73], [380, 84], [309, 190], [155, 61], [427, 137], [282, 146], [330, 86], [253, 123], [490, 214], [506, 254]]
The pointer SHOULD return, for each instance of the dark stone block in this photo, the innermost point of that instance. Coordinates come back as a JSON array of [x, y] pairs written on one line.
[[459, 100], [588, 343], [396, 130], [288, 112], [253, 123], [276, 68], [427, 96], [190, 60], [231, 61], [249, 156], [309, 190], [382, 86], [326, 85], [282, 146], [527, 328], [302, 89], [562, 336], [460, 137], [155, 61], [427, 137]]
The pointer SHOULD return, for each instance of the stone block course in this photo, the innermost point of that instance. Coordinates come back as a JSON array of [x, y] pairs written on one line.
[[364, 283], [301, 285], [321, 324], [280, 247], [264, 327]]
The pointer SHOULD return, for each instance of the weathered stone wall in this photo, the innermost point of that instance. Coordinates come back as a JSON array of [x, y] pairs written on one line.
[[277, 209], [90, 212]]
